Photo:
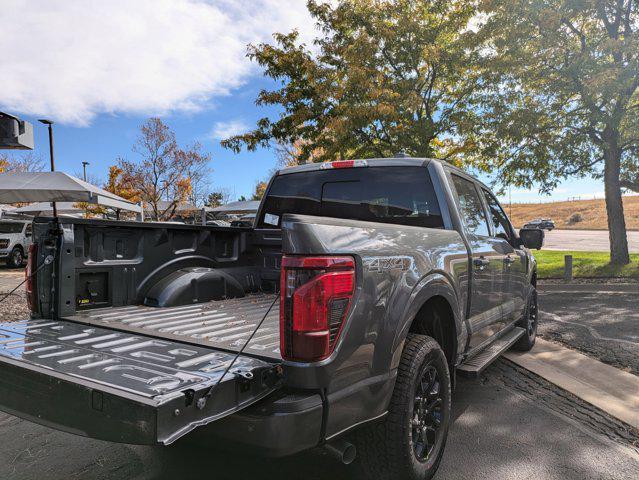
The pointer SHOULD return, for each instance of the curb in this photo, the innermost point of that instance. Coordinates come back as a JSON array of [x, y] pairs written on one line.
[[611, 287], [612, 390]]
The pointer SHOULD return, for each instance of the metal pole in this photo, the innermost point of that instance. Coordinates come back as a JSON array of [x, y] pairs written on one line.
[[55, 210], [567, 268], [84, 176], [49, 124]]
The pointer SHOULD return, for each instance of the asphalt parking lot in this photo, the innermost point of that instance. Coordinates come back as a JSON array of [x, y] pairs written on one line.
[[509, 424], [600, 320]]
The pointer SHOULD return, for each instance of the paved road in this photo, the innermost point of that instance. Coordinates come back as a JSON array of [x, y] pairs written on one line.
[[509, 425], [585, 240], [600, 320]]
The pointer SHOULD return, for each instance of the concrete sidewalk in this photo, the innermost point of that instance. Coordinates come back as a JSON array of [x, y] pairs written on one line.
[[590, 287], [607, 388]]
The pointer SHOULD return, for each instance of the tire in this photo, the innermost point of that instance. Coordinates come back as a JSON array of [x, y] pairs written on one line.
[[16, 258], [386, 450], [529, 322]]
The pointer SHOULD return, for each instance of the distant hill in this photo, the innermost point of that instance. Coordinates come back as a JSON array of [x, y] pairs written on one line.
[[575, 214]]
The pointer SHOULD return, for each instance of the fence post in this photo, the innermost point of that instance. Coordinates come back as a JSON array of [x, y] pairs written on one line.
[[567, 267]]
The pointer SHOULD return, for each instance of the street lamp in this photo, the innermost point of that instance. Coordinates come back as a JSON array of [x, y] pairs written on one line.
[[49, 124], [84, 169]]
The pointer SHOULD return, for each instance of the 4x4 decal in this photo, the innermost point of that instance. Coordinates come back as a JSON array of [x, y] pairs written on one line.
[[382, 264]]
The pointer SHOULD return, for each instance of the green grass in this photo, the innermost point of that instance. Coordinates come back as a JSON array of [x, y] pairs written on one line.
[[550, 264]]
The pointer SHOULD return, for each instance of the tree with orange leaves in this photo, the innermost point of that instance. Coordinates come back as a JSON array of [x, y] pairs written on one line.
[[28, 162], [165, 174]]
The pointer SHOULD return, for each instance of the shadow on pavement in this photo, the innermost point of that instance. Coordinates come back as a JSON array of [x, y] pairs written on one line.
[[496, 433]]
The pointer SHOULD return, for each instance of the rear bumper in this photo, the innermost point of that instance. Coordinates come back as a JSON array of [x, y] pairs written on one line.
[[277, 426]]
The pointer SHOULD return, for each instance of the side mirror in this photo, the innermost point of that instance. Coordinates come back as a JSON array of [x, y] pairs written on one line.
[[532, 238]]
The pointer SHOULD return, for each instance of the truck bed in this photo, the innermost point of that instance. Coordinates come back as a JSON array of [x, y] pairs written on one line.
[[224, 324]]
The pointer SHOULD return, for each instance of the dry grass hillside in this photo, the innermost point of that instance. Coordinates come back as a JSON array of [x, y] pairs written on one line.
[[576, 214]]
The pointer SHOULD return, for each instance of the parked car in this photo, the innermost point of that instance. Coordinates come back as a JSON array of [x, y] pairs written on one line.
[[339, 320], [15, 238], [541, 223], [244, 221]]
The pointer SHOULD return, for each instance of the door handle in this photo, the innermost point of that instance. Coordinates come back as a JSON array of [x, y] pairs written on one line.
[[509, 260], [481, 262]]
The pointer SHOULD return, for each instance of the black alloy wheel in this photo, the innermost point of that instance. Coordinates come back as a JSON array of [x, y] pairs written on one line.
[[16, 258], [529, 322], [427, 414]]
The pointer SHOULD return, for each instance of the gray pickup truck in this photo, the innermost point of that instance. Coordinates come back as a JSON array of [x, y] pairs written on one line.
[[338, 320]]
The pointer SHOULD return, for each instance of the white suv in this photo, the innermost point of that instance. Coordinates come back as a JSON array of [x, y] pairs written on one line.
[[15, 238]]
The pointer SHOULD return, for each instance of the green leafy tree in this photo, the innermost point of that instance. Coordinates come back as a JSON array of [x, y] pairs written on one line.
[[386, 76], [214, 199], [561, 97], [259, 190]]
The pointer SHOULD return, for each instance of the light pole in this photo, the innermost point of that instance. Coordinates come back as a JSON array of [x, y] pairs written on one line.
[[84, 176], [49, 124], [84, 170]]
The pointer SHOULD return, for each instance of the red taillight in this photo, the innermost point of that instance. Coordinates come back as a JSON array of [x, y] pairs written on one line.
[[316, 293], [344, 164], [30, 284]]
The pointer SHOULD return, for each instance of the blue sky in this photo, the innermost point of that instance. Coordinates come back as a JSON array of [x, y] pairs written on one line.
[[110, 135], [99, 69]]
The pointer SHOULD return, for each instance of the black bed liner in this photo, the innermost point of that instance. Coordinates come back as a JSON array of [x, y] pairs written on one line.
[[224, 324]]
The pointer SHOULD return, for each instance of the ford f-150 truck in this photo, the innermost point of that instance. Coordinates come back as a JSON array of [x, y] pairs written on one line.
[[15, 238], [339, 319]]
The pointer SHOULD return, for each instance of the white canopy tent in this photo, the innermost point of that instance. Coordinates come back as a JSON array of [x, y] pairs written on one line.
[[45, 208], [249, 206], [57, 187]]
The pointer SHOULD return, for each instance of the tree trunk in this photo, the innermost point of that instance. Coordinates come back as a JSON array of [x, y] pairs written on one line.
[[614, 203]]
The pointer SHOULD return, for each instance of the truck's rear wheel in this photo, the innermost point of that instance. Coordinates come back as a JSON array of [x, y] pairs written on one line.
[[529, 322], [409, 443], [16, 258]]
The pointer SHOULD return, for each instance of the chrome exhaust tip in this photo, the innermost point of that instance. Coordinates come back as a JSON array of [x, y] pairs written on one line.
[[342, 451]]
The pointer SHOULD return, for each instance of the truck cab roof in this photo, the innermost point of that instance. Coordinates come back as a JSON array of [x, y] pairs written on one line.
[[399, 161]]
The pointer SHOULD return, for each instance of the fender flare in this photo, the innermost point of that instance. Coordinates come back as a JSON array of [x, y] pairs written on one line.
[[436, 283]]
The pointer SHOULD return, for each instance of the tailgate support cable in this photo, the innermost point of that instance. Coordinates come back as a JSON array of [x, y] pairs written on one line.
[[202, 401], [47, 260]]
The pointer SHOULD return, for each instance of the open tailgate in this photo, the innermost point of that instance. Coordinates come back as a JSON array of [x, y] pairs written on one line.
[[122, 386]]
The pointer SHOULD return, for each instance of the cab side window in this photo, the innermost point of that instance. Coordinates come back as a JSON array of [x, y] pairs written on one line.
[[470, 206], [501, 225]]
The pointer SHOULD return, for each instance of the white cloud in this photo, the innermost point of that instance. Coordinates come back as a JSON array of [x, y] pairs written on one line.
[[72, 59], [222, 130]]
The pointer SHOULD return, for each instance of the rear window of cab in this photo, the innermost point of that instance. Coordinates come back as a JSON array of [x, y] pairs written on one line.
[[399, 195]]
